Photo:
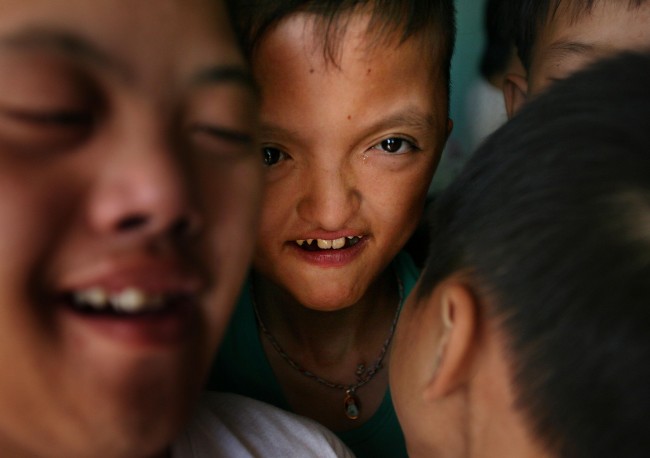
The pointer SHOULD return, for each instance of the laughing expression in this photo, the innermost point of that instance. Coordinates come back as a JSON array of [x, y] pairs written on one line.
[[129, 181]]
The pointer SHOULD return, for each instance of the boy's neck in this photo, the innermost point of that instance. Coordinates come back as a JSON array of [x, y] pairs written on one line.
[[302, 331]]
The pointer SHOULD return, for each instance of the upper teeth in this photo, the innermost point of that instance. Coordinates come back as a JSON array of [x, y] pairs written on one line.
[[129, 300], [323, 244]]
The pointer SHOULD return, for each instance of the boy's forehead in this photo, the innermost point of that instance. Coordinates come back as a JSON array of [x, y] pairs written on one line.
[[575, 35], [356, 31]]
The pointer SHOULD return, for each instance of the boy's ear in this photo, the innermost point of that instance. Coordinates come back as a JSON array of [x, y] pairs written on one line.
[[450, 126], [515, 93], [458, 315]]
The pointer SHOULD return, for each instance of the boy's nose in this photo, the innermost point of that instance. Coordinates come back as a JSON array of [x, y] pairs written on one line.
[[329, 198], [144, 188]]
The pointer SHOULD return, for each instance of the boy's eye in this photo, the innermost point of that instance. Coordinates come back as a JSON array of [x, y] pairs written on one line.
[[395, 145], [272, 156], [43, 131]]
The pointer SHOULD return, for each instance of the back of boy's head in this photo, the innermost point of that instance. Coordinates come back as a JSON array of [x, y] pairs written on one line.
[[551, 222], [531, 15], [433, 20]]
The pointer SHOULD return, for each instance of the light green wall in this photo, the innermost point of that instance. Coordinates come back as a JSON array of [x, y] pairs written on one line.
[[464, 69], [464, 66]]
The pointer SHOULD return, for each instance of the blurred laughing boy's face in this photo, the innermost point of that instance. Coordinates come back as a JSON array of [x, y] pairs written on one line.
[[130, 184]]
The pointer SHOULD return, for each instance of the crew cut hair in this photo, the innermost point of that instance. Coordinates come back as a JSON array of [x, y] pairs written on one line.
[[532, 15], [434, 20], [550, 221]]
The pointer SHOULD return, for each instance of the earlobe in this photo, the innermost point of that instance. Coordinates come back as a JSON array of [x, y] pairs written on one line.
[[515, 93], [450, 126], [458, 315]]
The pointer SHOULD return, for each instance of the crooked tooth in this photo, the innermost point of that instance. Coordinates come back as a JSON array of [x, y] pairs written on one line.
[[338, 243], [324, 244], [129, 300], [309, 241], [300, 242], [93, 297]]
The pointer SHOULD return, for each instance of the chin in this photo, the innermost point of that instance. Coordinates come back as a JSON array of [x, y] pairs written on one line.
[[143, 425], [138, 409]]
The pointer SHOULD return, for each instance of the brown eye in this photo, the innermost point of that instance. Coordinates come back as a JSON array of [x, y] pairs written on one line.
[[272, 156], [396, 145], [392, 145]]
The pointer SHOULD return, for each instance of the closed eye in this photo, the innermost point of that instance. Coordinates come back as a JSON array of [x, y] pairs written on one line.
[[225, 134], [52, 119]]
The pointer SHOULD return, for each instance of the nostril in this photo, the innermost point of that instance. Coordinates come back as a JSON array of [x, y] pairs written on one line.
[[181, 227], [132, 222]]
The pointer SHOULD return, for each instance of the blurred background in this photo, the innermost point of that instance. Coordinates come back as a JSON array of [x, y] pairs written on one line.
[[465, 64]]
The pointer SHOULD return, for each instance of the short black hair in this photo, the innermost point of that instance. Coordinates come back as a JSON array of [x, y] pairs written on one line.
[[499, 42], [550, 221], [532, 15], [435, 20]]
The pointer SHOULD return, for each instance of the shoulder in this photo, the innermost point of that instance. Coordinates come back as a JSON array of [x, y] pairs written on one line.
[[233, 425]]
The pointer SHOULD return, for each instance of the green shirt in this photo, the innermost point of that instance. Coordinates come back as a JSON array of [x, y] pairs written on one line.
[[242, 367]]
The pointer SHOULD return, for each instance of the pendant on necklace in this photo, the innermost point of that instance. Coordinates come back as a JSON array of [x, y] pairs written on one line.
[[352, 405]]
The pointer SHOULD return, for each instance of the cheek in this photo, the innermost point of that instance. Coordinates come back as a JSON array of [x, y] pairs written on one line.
[[279, 201], [35, 211], [399, 198], [232, 197]]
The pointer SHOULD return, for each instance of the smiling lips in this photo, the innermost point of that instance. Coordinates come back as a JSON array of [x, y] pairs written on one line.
[[324, 244]]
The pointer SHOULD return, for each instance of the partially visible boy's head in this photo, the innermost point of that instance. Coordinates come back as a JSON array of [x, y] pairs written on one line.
[[527, 334], [555, 38]]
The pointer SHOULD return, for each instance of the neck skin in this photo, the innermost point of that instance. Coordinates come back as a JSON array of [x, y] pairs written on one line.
[[495, 426], [332, 336]]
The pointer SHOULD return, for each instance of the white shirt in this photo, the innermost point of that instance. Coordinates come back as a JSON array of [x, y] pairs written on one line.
[[232, 426]]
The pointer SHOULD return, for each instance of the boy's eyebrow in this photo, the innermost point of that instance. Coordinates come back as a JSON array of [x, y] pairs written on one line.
[[409, 117], [563, 48], [64, 42], [78, 48], [237, 74]]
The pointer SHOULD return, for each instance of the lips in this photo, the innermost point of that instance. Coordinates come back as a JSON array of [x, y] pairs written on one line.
[[145, 303], [337, 250]]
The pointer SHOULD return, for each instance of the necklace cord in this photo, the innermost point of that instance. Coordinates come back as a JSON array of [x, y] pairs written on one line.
[[368, 374]]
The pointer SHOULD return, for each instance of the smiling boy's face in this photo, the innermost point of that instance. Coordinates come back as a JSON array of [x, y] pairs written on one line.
[[350, 147], [566, 45], [120, 122]]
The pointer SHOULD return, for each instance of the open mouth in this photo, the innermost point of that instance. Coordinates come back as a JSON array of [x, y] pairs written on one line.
[[129, 301], [324, 244]]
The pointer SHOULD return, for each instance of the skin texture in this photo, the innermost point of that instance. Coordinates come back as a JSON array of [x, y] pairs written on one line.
[[323, 123], [110, 178], [567, 44], [450, 379], [333, 179]]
